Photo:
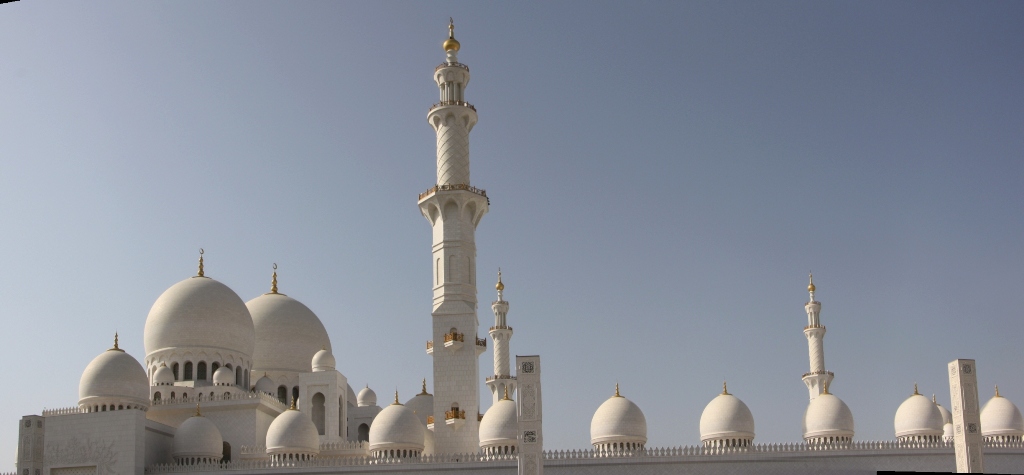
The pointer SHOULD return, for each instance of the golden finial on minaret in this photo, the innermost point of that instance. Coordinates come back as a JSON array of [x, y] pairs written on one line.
[[915, 390], [198, 414], [506, 395], [725, 389], [499, 286], [451, 44], [293, 408], [201, 251], [273, 282], [617, 390], [997, 391], [810, 283], [424, 392]]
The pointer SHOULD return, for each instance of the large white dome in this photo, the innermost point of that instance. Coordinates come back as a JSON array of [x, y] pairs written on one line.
[[198, 438], [828, 417], [396, 428], [200, 313], [500, 425], [293, 432], [288, 334], [113, 378], [726, 417], [1000, 417], [422, 404], [618, 420], [918, 417]]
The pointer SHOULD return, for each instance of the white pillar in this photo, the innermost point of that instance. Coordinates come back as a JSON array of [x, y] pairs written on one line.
[[963, 396], [531, 435]]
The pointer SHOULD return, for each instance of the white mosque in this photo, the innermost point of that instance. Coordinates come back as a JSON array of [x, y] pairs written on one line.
[[252, 387]]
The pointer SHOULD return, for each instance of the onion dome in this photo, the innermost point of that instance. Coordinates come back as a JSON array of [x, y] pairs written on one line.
[[200, 313], [198, 441], [828, 419], [113, 380], [366, 397], [163, 376], [422, 404], [292, 436], [918, 419], [947, 418], [947, 432], [726, 422], [224, 376], [451, 44], [324, 360], [500, 427], [396, 432], [288, 334], [618, 424], [266, 385], [1001, 420]]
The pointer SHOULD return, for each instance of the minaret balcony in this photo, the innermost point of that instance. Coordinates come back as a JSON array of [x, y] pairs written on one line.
[[500, 327], [454, 187], [808, 327], [455, 418], [430, 422], [481, 345], [451, 65], [430, 347], [813, 373], [453, 341], [451, 103], [498, 377]]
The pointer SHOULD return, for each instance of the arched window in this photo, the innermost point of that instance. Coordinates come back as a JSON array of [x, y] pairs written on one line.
[[341, 421], [295, 395], [156, 396], [172, 395], [227, 452], [319, 413], [282, 395], [188, 371], [201, 371], [174, 369], [238, 375], [364, 432], [213, 368]]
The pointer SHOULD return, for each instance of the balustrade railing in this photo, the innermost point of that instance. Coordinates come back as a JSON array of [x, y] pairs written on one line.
[[430, 419], [818, 372], [451, 64], [453, 103], [455, 187], [200, 398], [62, 411], [481, 342], [453, 337], [501, 327], [454, 414], [430, 344]]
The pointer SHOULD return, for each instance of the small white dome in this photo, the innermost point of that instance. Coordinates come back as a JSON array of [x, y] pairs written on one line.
[[114, 377], [200, 312], [946, 416], [428, 442], [366, 397], [163, 376], [324, 360], [1000, 417], [224, 376], [422, 404], [726, 417], [288, 334], [500, 425], [396, 427], [199, 438], [918, 416], [266, 385], [618, 420], [827, 416], [293, 432], [947, 431]]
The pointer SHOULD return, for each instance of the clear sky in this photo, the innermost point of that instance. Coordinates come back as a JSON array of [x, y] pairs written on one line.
[[662, 177]]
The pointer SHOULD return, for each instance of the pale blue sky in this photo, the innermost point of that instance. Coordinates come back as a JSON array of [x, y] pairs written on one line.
[[662, 177]]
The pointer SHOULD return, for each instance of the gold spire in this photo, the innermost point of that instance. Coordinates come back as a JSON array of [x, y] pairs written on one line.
[[506, 395], [451, 44], [825, 391], [997, 391], [915, 390], [424, 392], [396, 403], [725, 389], [273, 282], [810, 283], [116, 348], [617, 390], [933, 399], [198, 414], [200, 262], [293, 408], [499, 286]]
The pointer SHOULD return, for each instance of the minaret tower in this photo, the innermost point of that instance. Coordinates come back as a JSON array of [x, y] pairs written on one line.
[[501, 333], [454, 208], [817, 380]]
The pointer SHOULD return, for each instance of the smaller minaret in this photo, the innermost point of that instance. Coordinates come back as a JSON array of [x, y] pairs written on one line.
[[501, 333], [818, 379]]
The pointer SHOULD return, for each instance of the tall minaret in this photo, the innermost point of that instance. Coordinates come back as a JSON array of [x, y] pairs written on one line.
[[454, 208], [817, 380], [500, 333]]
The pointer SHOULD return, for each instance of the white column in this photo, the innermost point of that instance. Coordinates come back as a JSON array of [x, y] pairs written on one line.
[[531, 434], [963, 396]]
